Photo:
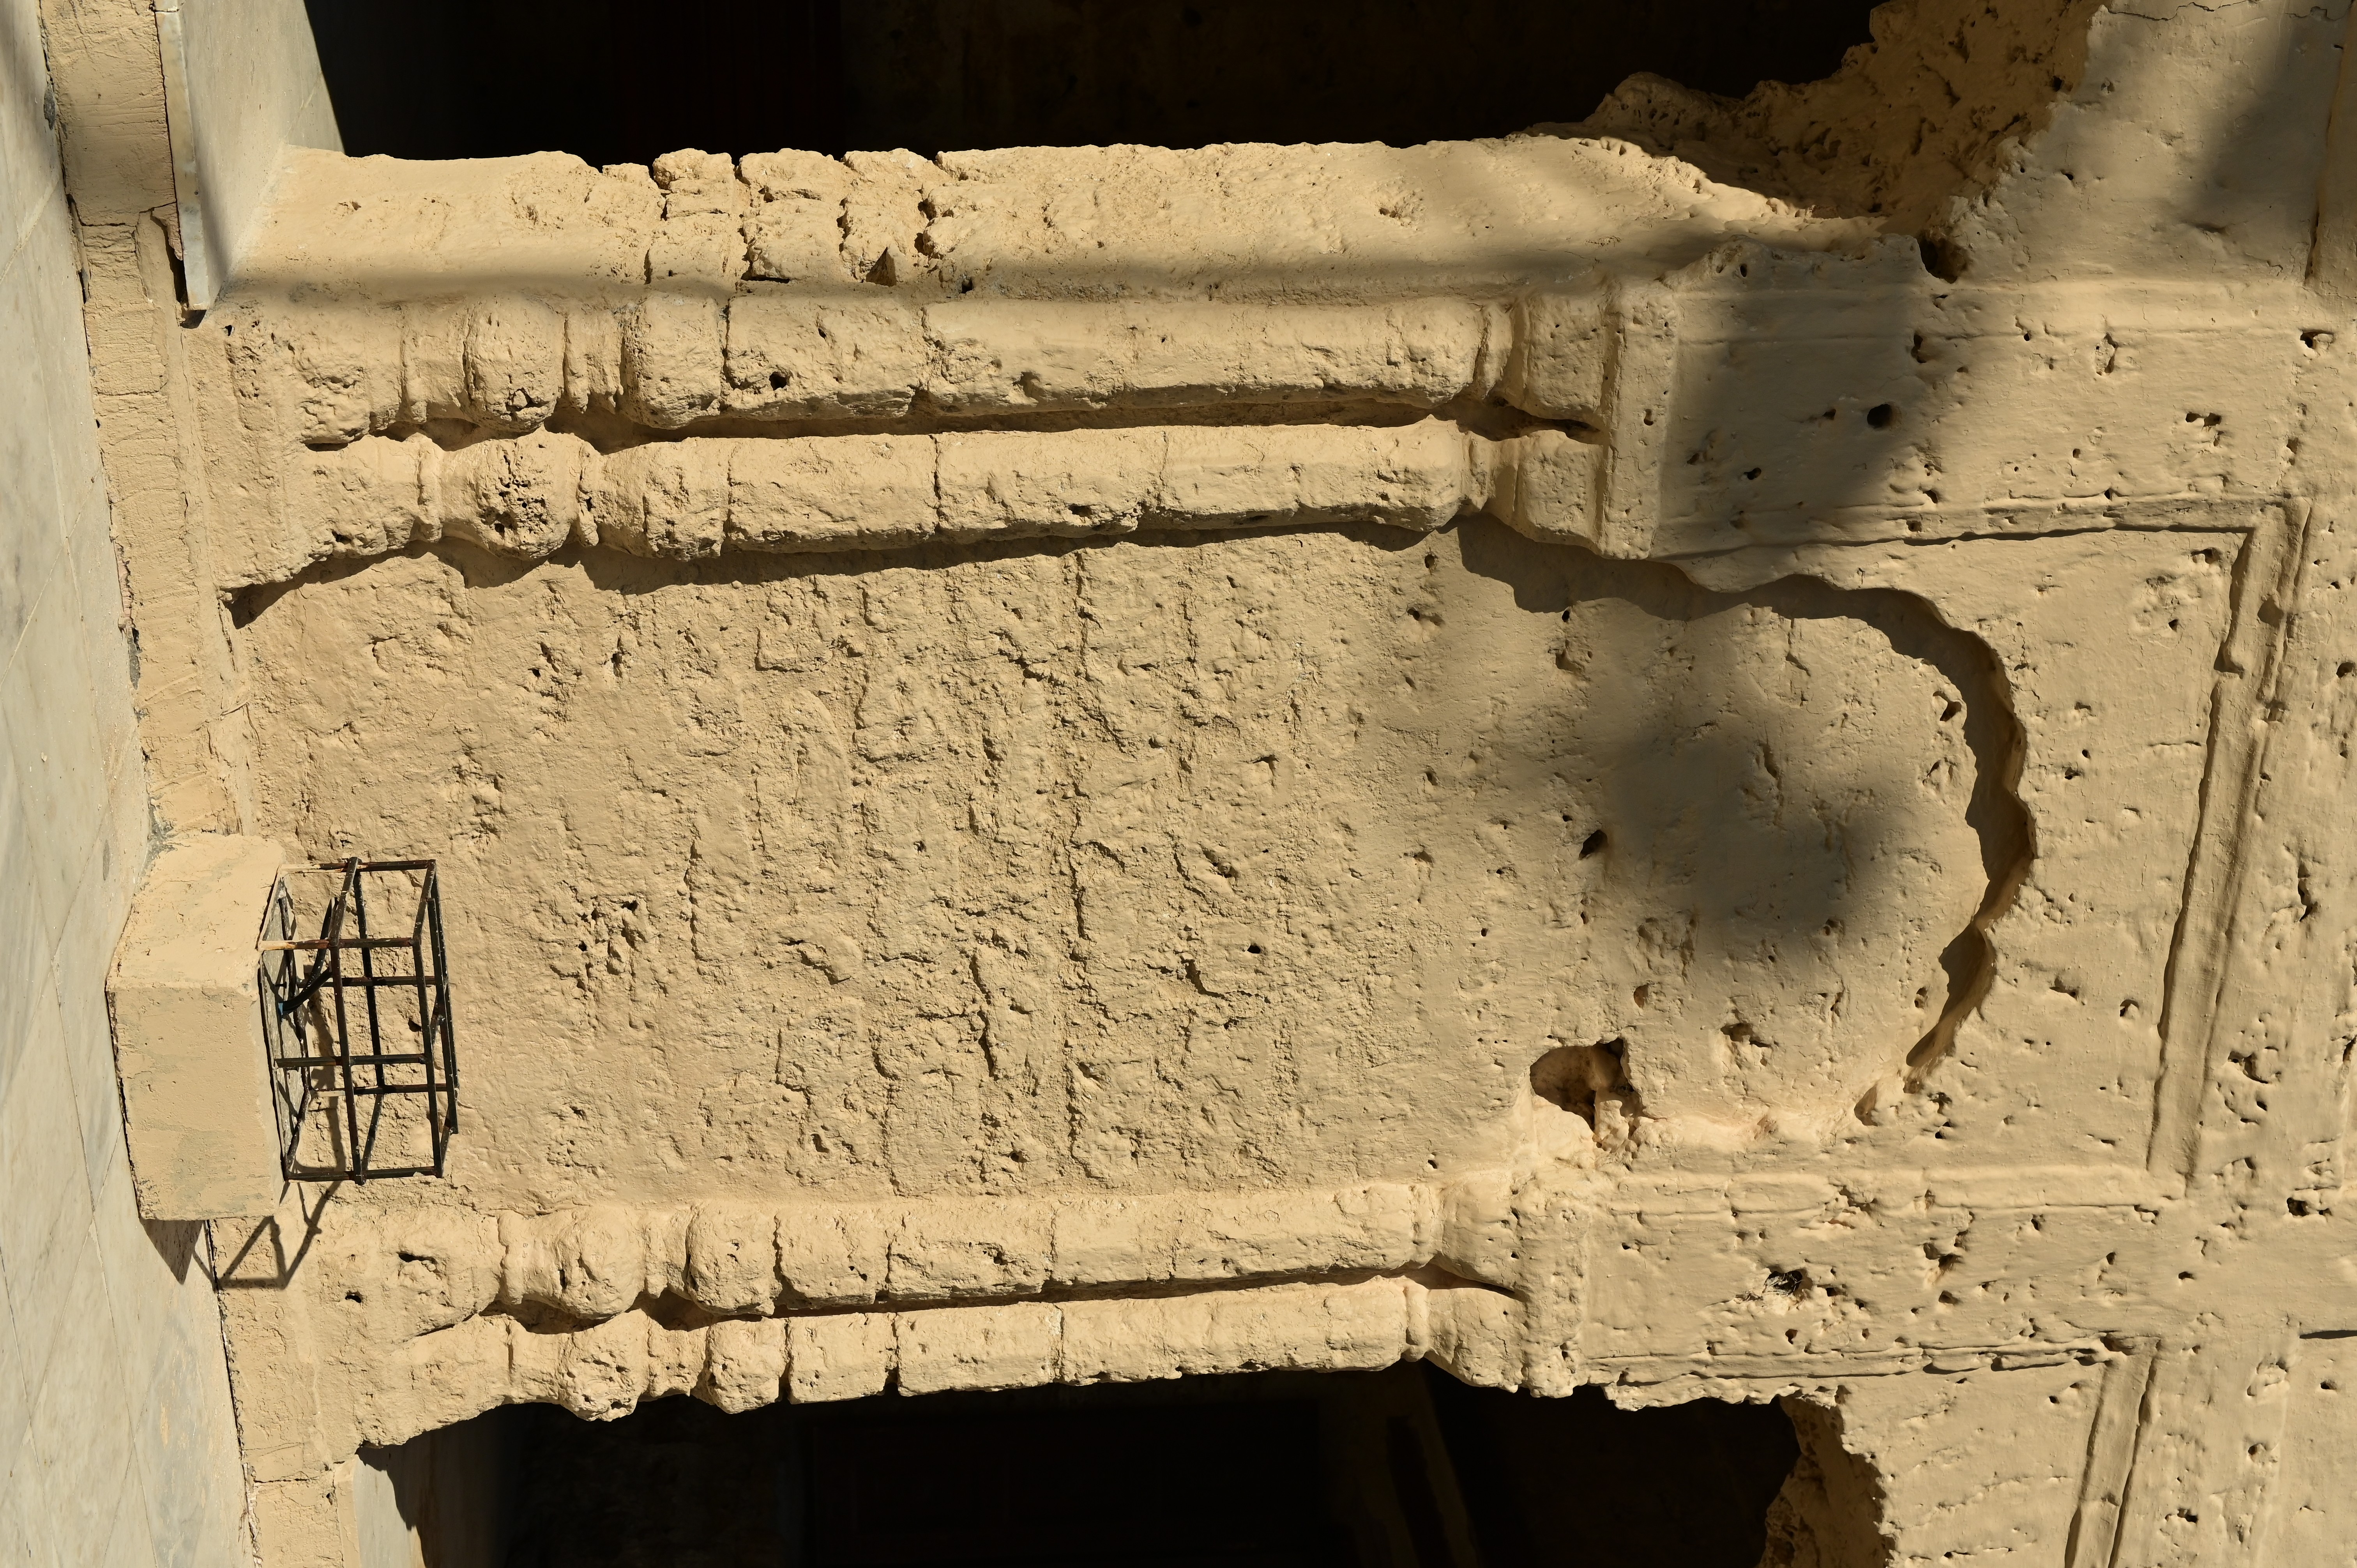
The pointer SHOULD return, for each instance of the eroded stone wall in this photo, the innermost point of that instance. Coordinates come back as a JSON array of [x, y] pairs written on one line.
[[1066, 764]]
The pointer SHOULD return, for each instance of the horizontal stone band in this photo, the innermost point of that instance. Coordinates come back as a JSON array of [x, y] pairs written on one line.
[[508, 363], [691, 500]]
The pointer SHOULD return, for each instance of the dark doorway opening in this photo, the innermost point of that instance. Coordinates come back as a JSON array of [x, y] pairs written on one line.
[[623, 83], [1403, 1468]]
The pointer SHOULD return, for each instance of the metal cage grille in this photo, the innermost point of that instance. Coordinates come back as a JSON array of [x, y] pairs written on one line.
[[363, 1069]]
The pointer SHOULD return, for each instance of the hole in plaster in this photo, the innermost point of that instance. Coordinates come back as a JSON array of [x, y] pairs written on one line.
[[459, 79], [1336, 1470], [1941, 259], [1571, 1077]]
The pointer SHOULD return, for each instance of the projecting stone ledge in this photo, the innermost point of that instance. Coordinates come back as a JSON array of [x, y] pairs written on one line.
[[531, 496], [185, 1006]]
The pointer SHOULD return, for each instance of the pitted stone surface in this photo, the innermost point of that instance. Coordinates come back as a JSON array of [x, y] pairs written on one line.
[[1709, 758]]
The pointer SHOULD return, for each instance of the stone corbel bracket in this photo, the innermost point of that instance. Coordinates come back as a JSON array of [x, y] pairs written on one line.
[[186, 1008]]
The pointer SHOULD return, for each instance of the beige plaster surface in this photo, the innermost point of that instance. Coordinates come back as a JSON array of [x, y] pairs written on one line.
[[1705, 755]]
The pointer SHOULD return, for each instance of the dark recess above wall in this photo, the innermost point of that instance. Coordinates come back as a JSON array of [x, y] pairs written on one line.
[[618, 83]]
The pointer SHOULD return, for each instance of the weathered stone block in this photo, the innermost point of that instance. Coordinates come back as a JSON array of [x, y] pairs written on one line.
[[794, 233], [844, 1357], [793, 357], [672, 360], [1011, 1346], [189, 1032], [1562, 360], [845, 491], [514, 363], [732, 1257], [745, 1364], [666, 499]]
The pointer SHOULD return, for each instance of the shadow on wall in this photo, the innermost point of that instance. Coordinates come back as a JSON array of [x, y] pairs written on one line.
[[624, 83], [1761, 804], [1401, 1468], [1581, 801], [1836, 415]]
